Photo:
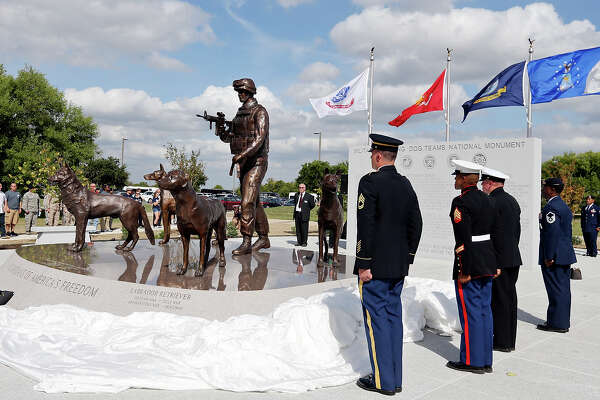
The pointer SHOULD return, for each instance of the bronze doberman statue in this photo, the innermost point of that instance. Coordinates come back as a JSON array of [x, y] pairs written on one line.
[[331, 215], [167, 203], [195, 215], [84, 205]]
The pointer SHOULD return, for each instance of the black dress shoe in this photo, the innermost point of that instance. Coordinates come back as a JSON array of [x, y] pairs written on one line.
[[5, 296], [488, 369], [457, 365], [548, 328], [503, 349], [367, 383]]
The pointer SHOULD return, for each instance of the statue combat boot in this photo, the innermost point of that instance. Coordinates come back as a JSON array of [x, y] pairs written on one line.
[[245, 247], [261, 243]]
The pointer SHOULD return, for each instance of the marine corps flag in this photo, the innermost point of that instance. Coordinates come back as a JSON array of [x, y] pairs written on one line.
[[432, 100], [506, 89]]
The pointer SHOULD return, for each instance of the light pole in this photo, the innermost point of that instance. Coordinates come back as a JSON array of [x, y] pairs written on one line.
[[319, 133], [123, 139]]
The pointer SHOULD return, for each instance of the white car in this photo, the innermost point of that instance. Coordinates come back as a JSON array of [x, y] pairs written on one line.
[[147, 196]]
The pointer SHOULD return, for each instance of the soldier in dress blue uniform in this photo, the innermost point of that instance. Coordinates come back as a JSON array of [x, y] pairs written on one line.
[[556, 256], [506, 243], [590, 225], [474, 219], [389, 228]]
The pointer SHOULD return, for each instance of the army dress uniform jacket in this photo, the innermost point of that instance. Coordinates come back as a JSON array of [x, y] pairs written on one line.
[[508, 233], [556, 233], [389, 224], [590, 218], [474, 219]]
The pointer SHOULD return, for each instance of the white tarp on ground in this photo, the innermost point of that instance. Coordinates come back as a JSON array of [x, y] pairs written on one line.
[[304, 344]]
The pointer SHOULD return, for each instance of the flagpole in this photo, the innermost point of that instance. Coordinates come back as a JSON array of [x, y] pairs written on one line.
[[529, 124], [448, 59], [371, 94]]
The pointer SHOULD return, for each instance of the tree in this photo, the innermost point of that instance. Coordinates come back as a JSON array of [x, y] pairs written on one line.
[[191, 164], [280, 187], [106, 171], [565, 167], [218, 187], [35, 116], [312, 173]]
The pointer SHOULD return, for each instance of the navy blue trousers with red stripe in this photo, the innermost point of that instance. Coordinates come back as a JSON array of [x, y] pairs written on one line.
[[474, 300], [382, 313]]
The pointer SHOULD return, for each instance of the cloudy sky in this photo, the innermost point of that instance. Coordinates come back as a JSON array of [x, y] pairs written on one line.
[[143, 69]]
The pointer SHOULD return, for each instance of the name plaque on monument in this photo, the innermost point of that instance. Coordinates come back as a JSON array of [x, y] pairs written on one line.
[[428, 167]]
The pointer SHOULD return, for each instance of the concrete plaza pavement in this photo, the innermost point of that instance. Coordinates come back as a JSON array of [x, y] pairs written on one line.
[[544, 366]]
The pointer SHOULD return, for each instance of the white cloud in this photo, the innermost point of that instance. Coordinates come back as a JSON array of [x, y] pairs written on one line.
[[409, 46], [409, 5], [319, 71], [292, 3], [98, 33]]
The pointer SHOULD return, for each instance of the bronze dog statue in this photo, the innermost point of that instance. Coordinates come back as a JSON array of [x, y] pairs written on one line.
[[195, 214], [331, 216], [167, 203], [84, 205]]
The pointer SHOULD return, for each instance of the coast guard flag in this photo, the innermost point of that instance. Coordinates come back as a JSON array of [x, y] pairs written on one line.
[[506, 89], [432, 100], [345, 100], [565, 75]]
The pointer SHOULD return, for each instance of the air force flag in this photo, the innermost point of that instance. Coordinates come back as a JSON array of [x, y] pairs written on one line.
[[565, 75], [345, 100], [506, 89]]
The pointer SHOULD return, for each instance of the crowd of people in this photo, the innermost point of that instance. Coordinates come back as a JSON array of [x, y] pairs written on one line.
[[487, 229]]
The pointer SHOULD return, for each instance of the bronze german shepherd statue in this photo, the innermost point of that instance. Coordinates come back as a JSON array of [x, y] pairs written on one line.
[[84, 205], [167, 203], [195, 215], [331, 216]]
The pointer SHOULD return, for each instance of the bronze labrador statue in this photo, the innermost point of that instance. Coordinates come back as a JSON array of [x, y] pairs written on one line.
[[84, 205], [167, 203], [195, 214], [331, 216]]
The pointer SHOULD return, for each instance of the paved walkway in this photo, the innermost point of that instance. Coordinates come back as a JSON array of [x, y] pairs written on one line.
[[544, 366]]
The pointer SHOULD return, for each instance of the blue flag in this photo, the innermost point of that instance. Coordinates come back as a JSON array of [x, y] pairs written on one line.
[[506, 89], [565, 75]]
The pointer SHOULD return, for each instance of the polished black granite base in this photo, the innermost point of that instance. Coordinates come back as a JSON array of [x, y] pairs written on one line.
[[273, 268]]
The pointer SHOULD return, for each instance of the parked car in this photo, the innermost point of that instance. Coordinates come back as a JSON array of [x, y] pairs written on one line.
[[270, 201], [288, 202], [148, 195], [229, 201]]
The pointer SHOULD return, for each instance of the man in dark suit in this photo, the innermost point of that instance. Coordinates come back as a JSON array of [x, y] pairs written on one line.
[[474, 220], [590, 225], [303, 203], [556, 256], [506, 242], [389, 228]]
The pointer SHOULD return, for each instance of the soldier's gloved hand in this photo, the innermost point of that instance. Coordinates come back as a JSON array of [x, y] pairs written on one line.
[[236, 159], [463, 278]]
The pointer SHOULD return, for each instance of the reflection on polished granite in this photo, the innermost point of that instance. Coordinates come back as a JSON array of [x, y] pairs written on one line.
[[272, 268]]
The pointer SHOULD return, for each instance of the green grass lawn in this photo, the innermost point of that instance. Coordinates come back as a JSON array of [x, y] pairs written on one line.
[[287, 212]]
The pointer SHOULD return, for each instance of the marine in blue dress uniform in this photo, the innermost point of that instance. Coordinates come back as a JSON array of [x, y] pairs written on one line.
[[556, 256], [590, 225], [506, 243], [474, 219], [389, 228]]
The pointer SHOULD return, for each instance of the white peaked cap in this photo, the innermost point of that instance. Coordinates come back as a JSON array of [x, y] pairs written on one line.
[[466, 167], [494, 173]]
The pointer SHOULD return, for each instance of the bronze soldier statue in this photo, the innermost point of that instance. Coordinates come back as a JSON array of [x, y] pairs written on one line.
[[248, 138]]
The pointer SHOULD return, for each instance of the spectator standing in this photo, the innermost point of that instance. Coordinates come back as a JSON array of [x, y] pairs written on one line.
[[304, 202], [138, 197], [52, 206], [2, 208], [156, 207], [13, 209], [95, 221], [31, 206]]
